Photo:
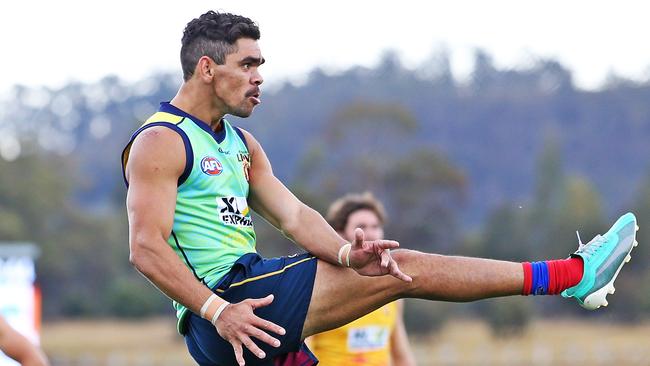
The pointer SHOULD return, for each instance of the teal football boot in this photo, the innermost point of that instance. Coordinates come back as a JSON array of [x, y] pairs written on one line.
[[603, 258]]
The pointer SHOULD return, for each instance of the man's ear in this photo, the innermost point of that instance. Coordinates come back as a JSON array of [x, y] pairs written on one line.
[[205, 69]]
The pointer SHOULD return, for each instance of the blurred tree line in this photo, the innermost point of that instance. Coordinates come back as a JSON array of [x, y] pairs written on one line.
[[506, 165]]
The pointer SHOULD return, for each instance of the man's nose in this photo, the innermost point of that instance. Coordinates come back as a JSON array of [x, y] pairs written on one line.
[[257, 78]]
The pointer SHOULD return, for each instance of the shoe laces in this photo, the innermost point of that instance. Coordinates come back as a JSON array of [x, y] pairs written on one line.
[[592, 246]]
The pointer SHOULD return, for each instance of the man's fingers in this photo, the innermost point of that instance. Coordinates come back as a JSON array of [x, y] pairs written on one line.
[[387, 244], [385, 258], [264, 337], [239, 352], [248, 342], [396, 272], [358, 238], [384, 244], [258, 303], [267, 325]]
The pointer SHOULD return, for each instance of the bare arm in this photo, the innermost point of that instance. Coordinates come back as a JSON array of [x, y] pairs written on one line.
[[400, 349], [156, 161], [297, 221], [19, 348]]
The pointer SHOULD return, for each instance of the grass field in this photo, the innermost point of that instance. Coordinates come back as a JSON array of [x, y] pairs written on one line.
[[549, 343], [114, 343], [462, 342]]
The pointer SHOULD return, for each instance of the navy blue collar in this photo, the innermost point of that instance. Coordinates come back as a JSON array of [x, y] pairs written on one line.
[[218, 136]]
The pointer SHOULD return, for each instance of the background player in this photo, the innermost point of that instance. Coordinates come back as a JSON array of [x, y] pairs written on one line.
[[376, 339]]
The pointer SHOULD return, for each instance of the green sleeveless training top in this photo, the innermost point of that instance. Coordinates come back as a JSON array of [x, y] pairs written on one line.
[[212, 222]]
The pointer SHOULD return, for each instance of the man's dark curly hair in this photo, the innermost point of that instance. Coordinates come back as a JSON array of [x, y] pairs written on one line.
[[214, 35]]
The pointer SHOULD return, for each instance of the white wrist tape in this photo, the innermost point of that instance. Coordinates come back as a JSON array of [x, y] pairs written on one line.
[[347, 248], [220, 309], [206, 304]]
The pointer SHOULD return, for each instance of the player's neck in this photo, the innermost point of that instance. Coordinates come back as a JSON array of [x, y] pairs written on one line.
[[197, 103]]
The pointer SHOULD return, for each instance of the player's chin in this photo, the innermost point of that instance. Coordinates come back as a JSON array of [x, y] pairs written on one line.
[[243, 112]]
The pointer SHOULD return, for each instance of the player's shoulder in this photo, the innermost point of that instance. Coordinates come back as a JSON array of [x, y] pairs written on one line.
[[158, 137], [160, 127], [160, 144]]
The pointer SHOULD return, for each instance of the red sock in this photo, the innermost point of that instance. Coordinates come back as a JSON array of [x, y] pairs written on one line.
[[564, 273], [528, 278]]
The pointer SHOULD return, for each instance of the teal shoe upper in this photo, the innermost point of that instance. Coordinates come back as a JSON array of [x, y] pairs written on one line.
[[603, 257]]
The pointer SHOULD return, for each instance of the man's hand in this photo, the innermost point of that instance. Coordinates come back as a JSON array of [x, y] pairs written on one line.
[[372, 258], [237, 324]]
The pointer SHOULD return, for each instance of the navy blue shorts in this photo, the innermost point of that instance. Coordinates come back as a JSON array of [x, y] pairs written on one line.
[[290, 280]]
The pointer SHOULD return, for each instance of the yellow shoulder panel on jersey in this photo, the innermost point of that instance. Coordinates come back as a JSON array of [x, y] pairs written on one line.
[[163, 117]]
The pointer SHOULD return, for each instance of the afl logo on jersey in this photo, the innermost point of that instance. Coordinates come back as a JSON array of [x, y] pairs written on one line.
[[211, 166]]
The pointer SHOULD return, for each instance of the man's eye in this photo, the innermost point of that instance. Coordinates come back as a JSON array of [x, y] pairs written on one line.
[[246, 66]]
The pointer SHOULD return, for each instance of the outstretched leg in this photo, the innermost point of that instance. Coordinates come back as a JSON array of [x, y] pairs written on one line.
[[340, 295]]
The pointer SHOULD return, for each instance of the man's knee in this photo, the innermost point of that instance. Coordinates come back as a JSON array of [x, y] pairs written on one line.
[[401, 255], [409, 262]]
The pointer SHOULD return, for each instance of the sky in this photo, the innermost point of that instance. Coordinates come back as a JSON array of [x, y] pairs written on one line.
[[50, 43]]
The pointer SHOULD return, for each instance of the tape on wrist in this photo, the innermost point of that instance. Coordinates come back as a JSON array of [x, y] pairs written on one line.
[[220, 309], [347, 257], [346, 248], [206, 305]]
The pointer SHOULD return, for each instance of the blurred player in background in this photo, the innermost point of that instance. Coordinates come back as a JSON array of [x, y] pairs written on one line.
[[376, 339], [19, 348]]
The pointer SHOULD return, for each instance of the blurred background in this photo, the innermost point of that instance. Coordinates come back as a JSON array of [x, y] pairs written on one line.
[[488, 129]]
